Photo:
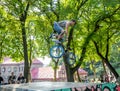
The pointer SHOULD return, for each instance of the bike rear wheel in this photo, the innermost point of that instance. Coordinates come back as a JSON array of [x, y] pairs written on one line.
[[56, 51], [71, 58]]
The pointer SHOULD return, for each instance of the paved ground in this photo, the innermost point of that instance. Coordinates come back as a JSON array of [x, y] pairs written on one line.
[[46, 86]]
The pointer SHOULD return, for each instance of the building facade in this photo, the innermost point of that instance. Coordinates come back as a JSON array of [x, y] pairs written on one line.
[[8, 66], [38, 71]]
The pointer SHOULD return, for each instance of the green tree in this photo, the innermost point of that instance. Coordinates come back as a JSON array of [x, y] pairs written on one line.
[[26, 26], [95, 19], [19, 10]]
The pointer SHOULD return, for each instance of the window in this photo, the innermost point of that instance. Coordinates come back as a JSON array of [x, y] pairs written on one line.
[[15, 69], [9, 69], [3, 69]]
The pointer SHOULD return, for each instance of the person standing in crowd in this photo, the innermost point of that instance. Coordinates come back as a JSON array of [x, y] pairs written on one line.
[[1, 79], [12, 79], [21, 79]]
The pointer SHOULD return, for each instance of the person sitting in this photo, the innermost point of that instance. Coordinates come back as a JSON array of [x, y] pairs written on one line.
[[21, 79], [12, 79], [1, 79]]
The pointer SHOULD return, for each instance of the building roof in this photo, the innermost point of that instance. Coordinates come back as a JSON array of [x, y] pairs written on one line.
[[36, 61], [9, 61]]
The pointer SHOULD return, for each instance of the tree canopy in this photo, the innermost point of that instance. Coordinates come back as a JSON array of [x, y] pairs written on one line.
[[96, 35]]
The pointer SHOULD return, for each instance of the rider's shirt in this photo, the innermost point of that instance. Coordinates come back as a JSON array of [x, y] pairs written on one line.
[[63, 23]]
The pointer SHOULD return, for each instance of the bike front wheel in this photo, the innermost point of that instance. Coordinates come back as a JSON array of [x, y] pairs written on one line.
[[56, 51]]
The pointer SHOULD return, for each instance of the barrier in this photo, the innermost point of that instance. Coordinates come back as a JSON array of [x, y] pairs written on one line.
[[60, 86]]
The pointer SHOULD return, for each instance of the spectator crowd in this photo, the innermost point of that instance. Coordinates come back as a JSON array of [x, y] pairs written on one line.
[[12, 79]]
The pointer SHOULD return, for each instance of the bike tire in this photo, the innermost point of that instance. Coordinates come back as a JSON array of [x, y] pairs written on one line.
[[71, 58], [56, 51]]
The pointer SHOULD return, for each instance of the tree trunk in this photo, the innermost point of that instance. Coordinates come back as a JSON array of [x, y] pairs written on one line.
[[111, 69], [104, 66], [25, 49], [70, 76], [79, 79], [106, 61], [55, 71], [26, 63], [69, 71]]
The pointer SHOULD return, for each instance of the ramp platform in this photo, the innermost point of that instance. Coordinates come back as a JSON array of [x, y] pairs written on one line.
[[47, 86]]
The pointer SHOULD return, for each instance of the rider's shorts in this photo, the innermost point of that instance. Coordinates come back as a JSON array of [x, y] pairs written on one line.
[[57, 27]]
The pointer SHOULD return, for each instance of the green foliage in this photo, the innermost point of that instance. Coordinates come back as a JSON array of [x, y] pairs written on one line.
[[39, 25]]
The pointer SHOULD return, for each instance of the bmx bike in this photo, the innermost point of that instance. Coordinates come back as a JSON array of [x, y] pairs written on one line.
[[58, 50]]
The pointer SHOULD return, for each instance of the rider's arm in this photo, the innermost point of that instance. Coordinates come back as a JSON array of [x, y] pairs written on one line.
[[66, 28]]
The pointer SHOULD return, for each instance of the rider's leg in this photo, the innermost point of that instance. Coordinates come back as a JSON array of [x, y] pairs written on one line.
[[60, 36], [59, 30]]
